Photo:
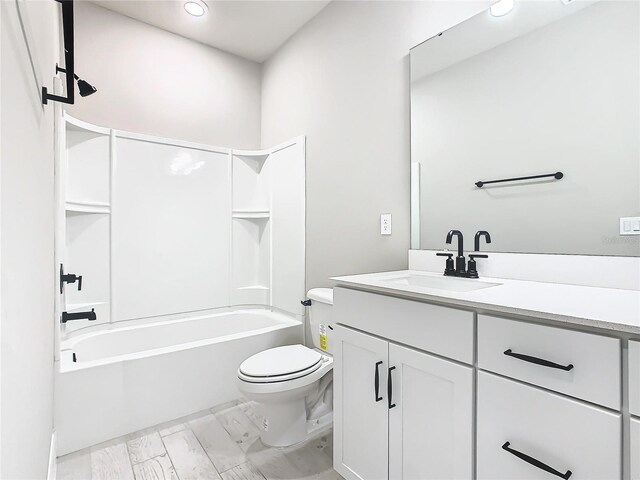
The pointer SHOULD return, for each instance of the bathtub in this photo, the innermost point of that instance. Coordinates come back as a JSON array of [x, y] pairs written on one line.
[[117, 381]]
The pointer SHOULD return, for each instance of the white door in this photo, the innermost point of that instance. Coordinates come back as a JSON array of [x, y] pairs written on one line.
[[431, 425], [360, 405]]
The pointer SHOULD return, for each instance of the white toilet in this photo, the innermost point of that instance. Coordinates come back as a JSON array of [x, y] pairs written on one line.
[[293, 385]]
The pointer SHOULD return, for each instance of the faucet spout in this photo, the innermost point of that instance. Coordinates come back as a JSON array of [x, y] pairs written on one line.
[[457, 233], [460, 260], [476, 240]]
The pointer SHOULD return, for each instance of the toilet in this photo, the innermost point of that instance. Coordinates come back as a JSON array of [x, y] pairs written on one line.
[[293, 385]]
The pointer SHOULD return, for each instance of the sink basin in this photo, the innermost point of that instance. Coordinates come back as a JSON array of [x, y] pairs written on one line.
[[439, 283]]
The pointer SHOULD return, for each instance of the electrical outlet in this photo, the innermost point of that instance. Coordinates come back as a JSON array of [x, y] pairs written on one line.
[[385, 224], [629, 225]]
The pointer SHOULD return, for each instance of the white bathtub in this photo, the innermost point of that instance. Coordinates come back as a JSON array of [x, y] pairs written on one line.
[[129, 378]]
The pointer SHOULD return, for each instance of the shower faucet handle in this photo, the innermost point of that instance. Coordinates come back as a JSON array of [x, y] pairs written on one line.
[[69, 278]]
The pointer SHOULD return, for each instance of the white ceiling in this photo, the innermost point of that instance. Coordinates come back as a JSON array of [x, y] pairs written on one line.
[[252, 29]]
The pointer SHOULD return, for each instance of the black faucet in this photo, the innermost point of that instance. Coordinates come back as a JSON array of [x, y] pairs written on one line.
[[473, 272], [78, 316], [460, 260], [460, 270], [476, 240]]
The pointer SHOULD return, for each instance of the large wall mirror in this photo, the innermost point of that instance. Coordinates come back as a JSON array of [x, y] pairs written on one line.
[[553, 86]]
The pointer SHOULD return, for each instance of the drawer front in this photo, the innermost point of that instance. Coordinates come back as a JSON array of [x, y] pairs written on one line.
[[635, 449], [441, 330], [561, 433], [634, 378], [591, 363]]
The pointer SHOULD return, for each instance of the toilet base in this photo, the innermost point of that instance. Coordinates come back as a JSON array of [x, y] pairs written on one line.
[[286, 424]]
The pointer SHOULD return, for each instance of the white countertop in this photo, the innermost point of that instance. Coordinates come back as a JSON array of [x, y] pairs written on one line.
[[604, 308]]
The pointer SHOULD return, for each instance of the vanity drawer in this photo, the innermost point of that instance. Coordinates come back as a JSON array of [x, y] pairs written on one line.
[[432, 328], [592, 363], [562, 433], [634, 378]]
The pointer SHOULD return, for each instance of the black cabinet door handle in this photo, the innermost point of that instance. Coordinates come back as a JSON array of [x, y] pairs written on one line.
[[538, 361], [376, 382], [390, 388], [536, 463]]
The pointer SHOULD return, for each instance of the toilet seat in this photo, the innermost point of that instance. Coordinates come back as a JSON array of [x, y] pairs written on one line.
[[283, 383], [280, 364]]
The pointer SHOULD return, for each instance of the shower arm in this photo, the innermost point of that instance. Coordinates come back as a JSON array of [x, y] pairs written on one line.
[[69, 52]]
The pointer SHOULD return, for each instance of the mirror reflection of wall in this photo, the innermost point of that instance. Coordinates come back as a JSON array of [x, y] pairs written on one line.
[[549, 87]]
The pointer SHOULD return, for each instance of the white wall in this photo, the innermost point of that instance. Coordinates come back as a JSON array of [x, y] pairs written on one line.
[[343, 81], [26, 241], [152, 81]]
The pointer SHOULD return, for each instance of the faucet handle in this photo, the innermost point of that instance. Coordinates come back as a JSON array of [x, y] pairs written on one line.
[[449, 269], [472, 272]]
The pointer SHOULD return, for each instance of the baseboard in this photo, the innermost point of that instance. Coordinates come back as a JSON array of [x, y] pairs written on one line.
[[51, 473]]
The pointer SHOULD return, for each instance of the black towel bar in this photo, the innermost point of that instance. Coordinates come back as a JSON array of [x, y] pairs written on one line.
[[557, 176]]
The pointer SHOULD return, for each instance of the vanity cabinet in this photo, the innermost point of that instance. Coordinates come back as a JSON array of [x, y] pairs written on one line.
[[399, 413], [426, 392], [516, 420]]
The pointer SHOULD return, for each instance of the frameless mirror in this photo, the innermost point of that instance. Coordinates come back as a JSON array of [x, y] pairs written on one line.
[[552, 87]]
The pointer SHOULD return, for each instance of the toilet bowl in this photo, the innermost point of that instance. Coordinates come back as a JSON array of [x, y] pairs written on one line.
[[293, 385]]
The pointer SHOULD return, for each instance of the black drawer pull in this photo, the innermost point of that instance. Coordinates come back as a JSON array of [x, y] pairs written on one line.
[[376, 381], [390, 388], [538, 361], [536, 463]]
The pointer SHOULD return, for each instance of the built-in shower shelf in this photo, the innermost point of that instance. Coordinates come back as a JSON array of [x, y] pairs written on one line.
[[255, 159], [77, 125], [250, 214], [87, 207]]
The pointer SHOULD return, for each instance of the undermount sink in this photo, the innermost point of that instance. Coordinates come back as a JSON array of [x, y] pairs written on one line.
[[439, 283]]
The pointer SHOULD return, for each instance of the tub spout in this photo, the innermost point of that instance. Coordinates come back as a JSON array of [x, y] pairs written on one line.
[[78, 316]]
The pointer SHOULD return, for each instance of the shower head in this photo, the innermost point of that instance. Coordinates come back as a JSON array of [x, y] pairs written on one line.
[[85, 88]]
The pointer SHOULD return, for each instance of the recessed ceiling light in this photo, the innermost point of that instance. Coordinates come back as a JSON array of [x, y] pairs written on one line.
[[197, 9], [501, 8]]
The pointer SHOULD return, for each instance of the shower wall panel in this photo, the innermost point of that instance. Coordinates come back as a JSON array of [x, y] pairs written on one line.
[[171, 229]]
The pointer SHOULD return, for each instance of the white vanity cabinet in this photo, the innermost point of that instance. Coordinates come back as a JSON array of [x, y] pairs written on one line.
[[399, 413], [425, 391]]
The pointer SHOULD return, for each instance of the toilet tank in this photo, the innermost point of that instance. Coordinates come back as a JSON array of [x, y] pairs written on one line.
[[321, 318]]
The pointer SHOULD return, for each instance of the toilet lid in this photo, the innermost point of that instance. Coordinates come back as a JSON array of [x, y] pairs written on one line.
[[280, 361]]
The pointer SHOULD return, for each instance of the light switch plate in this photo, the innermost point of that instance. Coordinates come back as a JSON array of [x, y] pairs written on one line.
[[385, 224], [629, 225]]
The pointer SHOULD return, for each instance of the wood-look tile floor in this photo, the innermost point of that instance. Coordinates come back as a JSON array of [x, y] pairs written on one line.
[[221, 443]]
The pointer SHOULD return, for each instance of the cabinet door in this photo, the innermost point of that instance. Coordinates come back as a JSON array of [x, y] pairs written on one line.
[[525, 433], [361, 425], [431, 425]]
